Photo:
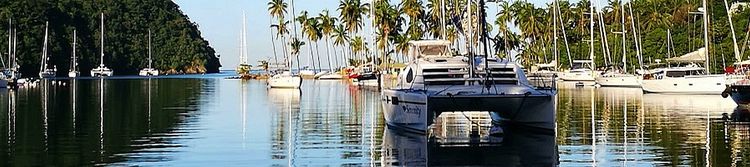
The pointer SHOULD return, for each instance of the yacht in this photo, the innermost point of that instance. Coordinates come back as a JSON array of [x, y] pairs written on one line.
[[436, 81], [306, 72], [73, 72], [546, 74], [690, 79], [285, 80], [581, 71], [149, 71], [738, 83], [45, 71], [101, 71], [618, 78]]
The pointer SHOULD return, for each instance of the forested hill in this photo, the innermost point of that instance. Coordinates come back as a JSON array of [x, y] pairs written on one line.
[[177, 45]]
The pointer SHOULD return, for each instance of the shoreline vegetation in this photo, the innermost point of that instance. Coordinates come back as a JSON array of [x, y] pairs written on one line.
[[178, 47], [519, 28]]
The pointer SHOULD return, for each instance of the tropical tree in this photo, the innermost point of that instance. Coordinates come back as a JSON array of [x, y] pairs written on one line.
[[327, 24], [281, 31], [277, 9], [340, 38], [303, 19], [351, 13]]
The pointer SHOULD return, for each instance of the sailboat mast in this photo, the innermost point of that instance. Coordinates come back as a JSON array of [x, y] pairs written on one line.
[[10, 39], [73, 68], [705, 37], [101, 58], [624, 34], [737, 55], [635, 36], [44, 48], [243, 59], [554, 32], [149, 49], [591, 35]]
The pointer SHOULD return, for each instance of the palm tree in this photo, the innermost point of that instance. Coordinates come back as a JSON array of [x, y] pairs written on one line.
[[281, 31], [296, 45], [340, 38], [277, 8], [435, 9], [358, 47], [302, 19], [327, 24], [387, 20], [351, 12], [312, 29]]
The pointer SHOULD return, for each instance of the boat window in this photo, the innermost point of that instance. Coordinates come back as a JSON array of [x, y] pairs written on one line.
[[409, 76], [432, 50], [675, 74]]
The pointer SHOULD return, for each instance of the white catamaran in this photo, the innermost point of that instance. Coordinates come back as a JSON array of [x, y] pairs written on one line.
[[149, 71], [101, 71], [435, 82]]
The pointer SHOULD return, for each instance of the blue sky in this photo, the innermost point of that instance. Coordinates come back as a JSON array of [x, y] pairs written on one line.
[[220, 22]]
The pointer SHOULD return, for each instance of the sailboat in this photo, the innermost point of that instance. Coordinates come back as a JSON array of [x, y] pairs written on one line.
[[45, 71], [73, 63], [286, 79], [620, 77], [101, 71], [149, 71], [243, 69], [583, 70]]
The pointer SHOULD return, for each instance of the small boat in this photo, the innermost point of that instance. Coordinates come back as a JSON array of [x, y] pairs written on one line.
[[436, 81], [243, 69], [617, 78], [101, 71], [45, 71], [320, 74], [305, 72], [285, 80], [331, 76], [73, 63], [581, 71], [738, 83], [149, 71]]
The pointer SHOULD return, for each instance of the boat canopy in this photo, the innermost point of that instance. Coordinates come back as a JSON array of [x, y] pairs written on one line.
[[692, 57], [429, 48]]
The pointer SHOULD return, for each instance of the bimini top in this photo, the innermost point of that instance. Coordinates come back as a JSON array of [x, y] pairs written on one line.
[[692, 57], [429, 48]]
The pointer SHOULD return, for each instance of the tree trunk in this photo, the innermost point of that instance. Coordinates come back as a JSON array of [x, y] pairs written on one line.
[[328, 52]]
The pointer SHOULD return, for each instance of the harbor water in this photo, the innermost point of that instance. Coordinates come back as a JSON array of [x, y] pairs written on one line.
[[211, 121]]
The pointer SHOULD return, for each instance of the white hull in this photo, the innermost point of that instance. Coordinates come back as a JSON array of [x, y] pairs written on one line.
[[577, 77], [320, 74], [101, 72], [73, 74], [705, 84], [307, 73], [149, 72], [332, 76], [285, 81], [619, 80], [47, 74], [416, 110]]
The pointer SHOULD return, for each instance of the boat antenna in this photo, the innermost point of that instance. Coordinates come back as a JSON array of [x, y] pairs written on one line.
[[488, 81]]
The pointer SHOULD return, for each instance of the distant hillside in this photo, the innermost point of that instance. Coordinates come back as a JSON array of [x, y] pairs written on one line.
[[177, 45]]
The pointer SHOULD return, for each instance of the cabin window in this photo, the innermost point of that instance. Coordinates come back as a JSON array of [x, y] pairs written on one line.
[[409, 76], [432, 50], [675, 74]]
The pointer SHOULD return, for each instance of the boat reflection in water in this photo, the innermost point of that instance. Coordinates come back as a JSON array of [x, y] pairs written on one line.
[[450, 145]]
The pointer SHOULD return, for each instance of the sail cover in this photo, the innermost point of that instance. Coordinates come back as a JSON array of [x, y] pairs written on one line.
[[692, 57]]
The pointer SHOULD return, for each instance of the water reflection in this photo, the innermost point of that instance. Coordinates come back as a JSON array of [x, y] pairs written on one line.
[[520, 146]]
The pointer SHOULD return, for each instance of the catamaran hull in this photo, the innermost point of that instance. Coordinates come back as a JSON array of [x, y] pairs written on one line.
[[713, 84], [149, 72], [619, 81], [73, 74], [46, 74], [416, 110], [290, 82]]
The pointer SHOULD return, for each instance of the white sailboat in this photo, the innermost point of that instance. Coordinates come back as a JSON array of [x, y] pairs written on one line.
[[73, 63], [583, 70], [620, 77], [149, 71], [243, 69], [435, 82], [45, 71], [101, 71], [286, 79]]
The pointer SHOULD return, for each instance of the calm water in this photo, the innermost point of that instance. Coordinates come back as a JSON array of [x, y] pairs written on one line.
[[208, 120]]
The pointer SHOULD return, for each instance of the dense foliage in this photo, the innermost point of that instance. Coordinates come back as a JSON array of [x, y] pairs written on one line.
[[177, 45], [526, 30]]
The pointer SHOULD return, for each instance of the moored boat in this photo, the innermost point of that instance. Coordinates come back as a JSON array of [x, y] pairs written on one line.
[[435, 81]]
